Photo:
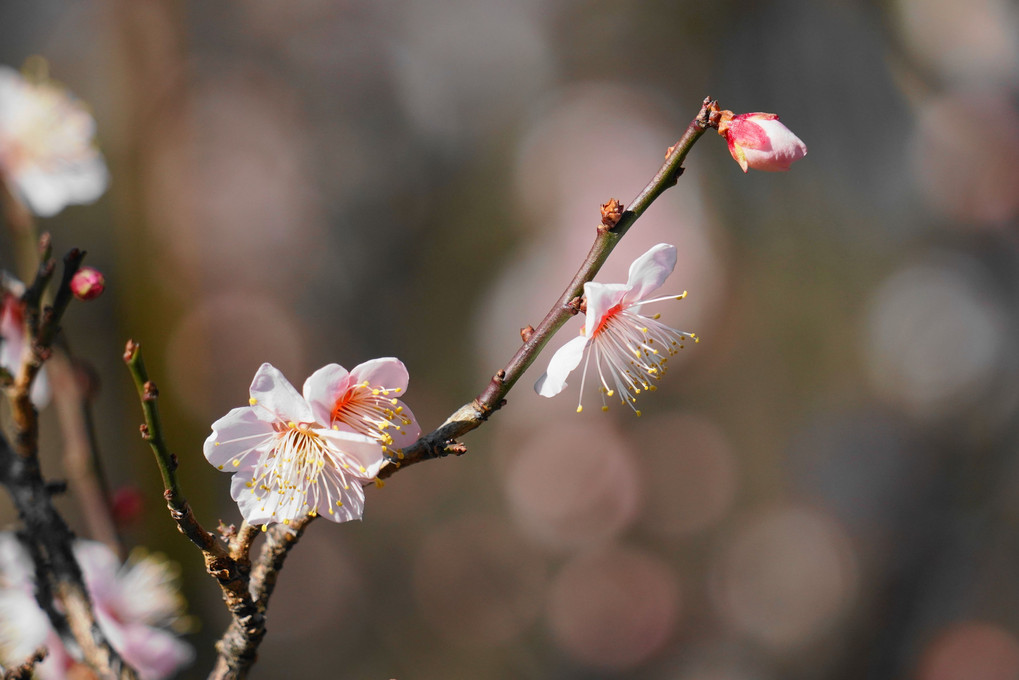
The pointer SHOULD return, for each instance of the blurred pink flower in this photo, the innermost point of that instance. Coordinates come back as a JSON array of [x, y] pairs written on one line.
[[14, 336], [627, 346], [760, 141], [364, 402], [134, 603], [288, 460], [47, 153]]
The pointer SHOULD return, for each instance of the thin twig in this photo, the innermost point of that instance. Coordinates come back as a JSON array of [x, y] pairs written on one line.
[[442, 441]]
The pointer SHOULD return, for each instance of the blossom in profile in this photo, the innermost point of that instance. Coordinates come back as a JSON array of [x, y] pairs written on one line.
[[14, 337], [288, 456], [365, 400], [759, 141], [48, 155], [136, 604], [629, 350]]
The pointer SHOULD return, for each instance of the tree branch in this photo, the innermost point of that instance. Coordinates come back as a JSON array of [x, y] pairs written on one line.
[[615, 223]]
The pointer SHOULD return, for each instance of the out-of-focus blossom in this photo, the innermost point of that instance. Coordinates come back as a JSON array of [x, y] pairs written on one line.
[[364, 401], [88, 283], [47, 153], [630, 350], [14, 336], [760, 141], [134, 603], [288, 459]]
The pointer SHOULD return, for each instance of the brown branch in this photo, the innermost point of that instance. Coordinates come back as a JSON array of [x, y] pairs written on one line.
[[615, 223], [24, 671]]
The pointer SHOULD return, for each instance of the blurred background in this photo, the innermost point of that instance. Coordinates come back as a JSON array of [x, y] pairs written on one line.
[[825, 487]]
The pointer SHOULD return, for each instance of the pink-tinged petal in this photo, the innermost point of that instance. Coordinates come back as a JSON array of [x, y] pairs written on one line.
[[782, 150], [23, 625], [363, 454], [648, 272], [387, 372], [274, 399], [602, 298], [344, 500], [99, 567], [235, 436], [738, 155], [560, 366], [156, 654], [409, 432], [323, 387]]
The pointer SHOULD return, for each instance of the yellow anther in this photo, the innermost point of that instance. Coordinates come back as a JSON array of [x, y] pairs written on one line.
[[376, 392], [639, 414], [379, 482], [215, 443], [287, 522], [604, 408], [394, 401], [580, 409], [236, 463], [220, 467], [251, 402], [265, 528], [656, 317], [339, 503], [363, 469], [397, 389], [610, 392]]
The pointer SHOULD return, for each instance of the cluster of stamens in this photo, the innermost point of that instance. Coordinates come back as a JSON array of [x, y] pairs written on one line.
[[372, 411], [631, 353]]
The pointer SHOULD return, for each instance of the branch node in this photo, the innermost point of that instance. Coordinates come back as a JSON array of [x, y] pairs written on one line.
[[525, 334], [150, 391], [611, 211], [145, 432]]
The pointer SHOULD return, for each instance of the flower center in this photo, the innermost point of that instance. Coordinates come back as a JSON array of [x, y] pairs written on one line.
[[371, 410], [292, 465]]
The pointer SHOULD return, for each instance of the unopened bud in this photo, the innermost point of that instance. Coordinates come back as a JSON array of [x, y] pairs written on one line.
[[88, 283], [760, 141], [127, 505]]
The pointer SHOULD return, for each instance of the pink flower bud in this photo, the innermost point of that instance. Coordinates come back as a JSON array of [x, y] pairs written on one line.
[[88, 283], [760, 141]]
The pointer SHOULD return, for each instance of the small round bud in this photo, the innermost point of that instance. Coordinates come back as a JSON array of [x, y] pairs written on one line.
[[758, 141], [88, 283]]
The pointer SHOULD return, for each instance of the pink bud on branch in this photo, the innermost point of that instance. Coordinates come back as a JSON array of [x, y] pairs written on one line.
[[88, 283], [760, 141]]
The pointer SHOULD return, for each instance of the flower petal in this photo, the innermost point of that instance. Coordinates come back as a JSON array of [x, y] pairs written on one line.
[[363, 454], [235, 436], [274, 399], [323, 387], [409, 432], [349, 494], [387, 372], [648, 272], [560, 366], [601, 299]]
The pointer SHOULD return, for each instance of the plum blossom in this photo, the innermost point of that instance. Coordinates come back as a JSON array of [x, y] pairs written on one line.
[[14, 336], [134, 603], [47, 153], [630, 350], [759, 141], [289, 455], [364, 401], [88, 283]]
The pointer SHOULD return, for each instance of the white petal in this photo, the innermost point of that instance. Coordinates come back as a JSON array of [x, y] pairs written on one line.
[[560, 366], [322, 388], [235, 435], [274, 399], [252, 508], [387, 372], [349, 493], [648, 272], [364, 454], [408, 434]]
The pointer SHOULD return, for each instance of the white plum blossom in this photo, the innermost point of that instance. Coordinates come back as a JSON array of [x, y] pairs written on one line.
[[48, 156], [759, 141], [134, 603], [365, 401], [629, 350], [288, 456]]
